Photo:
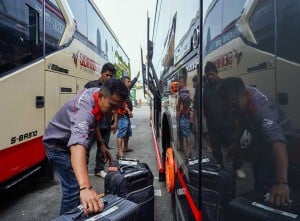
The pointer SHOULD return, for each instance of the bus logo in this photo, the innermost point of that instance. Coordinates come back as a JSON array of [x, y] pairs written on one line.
[[75, 58]]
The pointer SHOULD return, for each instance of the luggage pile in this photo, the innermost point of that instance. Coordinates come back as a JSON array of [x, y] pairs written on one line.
[[129, 195], [219, 202]]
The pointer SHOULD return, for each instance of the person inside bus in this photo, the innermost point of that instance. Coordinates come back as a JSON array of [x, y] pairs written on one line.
[[184, 111], [105, 126], [220, 129], [261, 139], [124, 115], [69, 136]]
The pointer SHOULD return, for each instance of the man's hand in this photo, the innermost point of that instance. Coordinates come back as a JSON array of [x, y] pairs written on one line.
[[90, 201], [88, 196], [130, 114], [114, 128], [280, 194], [105, 153]]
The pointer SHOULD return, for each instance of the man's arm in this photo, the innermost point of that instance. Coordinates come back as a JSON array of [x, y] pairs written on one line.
[[133, 81], [88, 196], [280, 190], [128, 112], [102, 145], [115, 120]]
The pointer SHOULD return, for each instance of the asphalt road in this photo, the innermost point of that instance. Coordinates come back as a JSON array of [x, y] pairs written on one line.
[[39, 200]]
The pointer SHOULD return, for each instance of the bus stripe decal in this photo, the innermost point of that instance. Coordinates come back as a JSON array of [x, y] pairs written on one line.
[[18, 158], [158, 156]]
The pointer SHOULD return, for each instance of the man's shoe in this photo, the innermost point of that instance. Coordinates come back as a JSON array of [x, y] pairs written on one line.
[[110, 148], [240, 174], [101, 173]]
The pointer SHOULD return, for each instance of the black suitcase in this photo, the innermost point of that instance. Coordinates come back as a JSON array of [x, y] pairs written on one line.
[[253, 206], [217, 190], [134, 183], [115, 209]]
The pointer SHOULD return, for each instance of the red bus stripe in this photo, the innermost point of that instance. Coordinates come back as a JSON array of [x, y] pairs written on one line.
[[158, 156], [18, 158], [196, 212]]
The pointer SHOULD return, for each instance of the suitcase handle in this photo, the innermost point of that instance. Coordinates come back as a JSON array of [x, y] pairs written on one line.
[[211, 166], [126, 167]]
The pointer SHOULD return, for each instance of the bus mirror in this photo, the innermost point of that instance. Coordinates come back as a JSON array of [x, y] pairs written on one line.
[[70, 22], [243, 23]]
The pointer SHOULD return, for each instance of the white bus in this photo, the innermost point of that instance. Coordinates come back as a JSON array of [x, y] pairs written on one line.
[[48, 51], [173, 67]]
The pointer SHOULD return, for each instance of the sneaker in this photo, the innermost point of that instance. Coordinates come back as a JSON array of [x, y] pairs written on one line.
[[240, 174], [101, 174]]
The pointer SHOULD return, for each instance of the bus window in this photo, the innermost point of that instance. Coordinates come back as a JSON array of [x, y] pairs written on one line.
[[20, 28], [231, 11], [54, 27], [78, 8], [262, 24], [213, 28], [94, 24], [288, 27], [33, 26]]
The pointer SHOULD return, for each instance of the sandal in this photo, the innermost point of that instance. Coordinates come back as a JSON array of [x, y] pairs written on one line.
[[128, 150]]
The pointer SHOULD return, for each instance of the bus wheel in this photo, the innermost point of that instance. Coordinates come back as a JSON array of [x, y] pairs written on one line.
[[170, 170]]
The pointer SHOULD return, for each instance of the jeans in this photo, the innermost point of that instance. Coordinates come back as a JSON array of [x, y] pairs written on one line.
[[124, 127], [184, 123], [70, 189]]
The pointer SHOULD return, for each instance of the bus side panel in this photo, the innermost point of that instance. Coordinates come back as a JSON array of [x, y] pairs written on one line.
[[288, 79], [80, 84], [19, 102]]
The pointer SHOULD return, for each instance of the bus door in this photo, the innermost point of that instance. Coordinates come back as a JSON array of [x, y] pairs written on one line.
[[59, 89]]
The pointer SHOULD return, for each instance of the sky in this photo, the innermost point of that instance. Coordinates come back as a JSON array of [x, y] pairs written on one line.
[[128, 20]]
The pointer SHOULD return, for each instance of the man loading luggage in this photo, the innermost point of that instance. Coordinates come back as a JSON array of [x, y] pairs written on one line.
[[263, 129], [68, 138]]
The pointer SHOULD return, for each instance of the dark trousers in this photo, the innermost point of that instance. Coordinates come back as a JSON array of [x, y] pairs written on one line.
[[216, 138], [215, 142], [100, 163]]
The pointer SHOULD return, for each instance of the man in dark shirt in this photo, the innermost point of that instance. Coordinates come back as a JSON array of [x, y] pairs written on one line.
[[220, 129], [263, 128], [108, 71]]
